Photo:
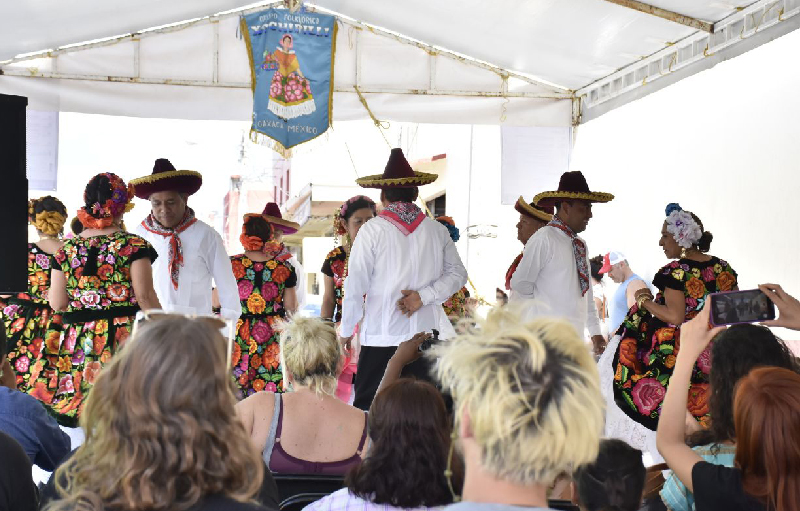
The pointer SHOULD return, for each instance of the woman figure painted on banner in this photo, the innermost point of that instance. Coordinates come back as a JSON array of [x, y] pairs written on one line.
[[266, 282], [100, 279], [350, 217], [289, 91], [27, 316], [636, 368]]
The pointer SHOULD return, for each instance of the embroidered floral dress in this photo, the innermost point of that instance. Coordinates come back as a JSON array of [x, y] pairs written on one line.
[[333, 267], [456, 306], [99, 317], [645, 358], [256, 352], [27, 318]]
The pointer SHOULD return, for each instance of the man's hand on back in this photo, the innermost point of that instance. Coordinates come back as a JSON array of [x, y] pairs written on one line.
[[409, 303]]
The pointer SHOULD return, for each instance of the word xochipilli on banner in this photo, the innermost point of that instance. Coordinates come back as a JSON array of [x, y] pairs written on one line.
[[291, 62]]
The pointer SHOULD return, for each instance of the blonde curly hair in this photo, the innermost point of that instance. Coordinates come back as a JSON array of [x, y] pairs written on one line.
[[531, 391], [161, 430], [311, 353]]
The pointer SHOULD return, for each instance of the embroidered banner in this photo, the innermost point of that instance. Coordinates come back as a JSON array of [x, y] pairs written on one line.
[[291, 63]]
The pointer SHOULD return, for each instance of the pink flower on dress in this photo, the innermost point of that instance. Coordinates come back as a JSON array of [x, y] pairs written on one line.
[[275, 89], [22, 364], [11, 310], [66, 385], [245, 289], [75, 262], [43, 261], [647, 394], [269, 291], [271, 387], [704, 360], [90, 299], [69, 340], [261, 332], [708, 274]]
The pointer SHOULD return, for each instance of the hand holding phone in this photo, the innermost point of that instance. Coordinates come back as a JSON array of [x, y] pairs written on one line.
[[735, 307]]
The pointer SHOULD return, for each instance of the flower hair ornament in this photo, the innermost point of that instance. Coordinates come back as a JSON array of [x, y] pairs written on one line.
[[100, 216], [682, 226], [338, 227]]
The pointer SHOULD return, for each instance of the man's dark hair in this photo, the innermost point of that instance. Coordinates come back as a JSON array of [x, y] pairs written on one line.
[[401, 194]]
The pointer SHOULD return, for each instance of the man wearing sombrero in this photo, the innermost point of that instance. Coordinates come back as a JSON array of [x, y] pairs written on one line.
[[194, 251], [402, 267], [554, 270], [281, 227], [531, 219]]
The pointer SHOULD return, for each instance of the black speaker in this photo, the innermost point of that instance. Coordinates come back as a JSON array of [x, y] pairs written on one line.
[[13, 196]]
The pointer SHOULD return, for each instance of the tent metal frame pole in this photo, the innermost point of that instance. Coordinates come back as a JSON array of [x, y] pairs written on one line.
[[675, 17], [35, 73], [729, 32]]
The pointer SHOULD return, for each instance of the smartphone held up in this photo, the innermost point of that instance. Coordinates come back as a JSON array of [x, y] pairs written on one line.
[[734, 307]]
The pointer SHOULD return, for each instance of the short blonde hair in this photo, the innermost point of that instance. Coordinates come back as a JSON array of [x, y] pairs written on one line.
[[531, 391], [311, 353]]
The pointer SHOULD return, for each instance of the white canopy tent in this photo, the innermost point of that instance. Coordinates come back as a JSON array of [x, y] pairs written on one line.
[[523, 63]]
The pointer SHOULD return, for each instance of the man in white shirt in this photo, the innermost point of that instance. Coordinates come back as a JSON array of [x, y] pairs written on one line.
[[192, 252], [283, 227], [402, 267], [554, 271]]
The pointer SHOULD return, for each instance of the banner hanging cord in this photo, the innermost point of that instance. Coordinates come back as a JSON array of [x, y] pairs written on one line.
[[378, 123]]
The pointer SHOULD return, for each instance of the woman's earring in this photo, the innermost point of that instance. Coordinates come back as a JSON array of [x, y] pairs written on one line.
[[683, 253]]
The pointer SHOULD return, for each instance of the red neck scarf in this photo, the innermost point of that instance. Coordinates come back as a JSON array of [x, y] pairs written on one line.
[[403, 215], [511, 270], [578, 251], [175, 249]]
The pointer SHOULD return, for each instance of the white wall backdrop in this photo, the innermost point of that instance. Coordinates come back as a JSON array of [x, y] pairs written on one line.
[[724, 144]]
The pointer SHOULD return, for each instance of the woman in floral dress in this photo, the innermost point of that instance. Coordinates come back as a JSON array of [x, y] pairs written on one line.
[[347, 221], [456, 307], [27, 316], [266, 282], [100, 279], [637, 365]]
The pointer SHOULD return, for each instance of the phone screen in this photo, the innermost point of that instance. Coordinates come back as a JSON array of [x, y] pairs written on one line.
[[749, 306]]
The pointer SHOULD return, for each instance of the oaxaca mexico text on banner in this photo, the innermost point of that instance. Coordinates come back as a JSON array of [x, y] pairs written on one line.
[[291, 64]]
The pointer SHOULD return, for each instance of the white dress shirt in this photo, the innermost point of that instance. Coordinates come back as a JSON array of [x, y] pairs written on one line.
[[204, 258], [382, 263], [547, 276], [300, 288]]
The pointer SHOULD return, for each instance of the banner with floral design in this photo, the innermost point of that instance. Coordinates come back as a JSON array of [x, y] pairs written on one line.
[[291, 63]]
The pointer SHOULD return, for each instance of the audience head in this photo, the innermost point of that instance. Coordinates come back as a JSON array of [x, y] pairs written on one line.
[[76, 226], [527, 397], [106, 198], [501, 296], [48, 215], [614, 481], [352, 215], [409, 430], [734, 353], [683, 230], [311, 355], [595, 263], [767, 419], [393, 194], [154, 440]]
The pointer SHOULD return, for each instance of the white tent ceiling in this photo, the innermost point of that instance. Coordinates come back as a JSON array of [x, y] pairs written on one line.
[[574, 59]]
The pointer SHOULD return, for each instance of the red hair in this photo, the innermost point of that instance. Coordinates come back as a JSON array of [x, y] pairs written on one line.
[[766, 416]]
